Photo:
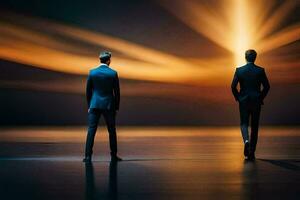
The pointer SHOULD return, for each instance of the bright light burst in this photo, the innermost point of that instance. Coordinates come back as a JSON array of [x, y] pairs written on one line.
[[234, 25], [238, 25], [240, 36]]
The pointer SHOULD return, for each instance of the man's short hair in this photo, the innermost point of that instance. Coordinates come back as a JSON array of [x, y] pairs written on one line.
[[250, 55], [105, 56]]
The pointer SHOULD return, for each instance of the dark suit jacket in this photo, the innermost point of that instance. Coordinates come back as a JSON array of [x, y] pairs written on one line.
[[251, 78], [102, 89]]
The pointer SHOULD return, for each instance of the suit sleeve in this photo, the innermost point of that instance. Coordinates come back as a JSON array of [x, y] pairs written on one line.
[[266, 85], [234, 84], [117, 92], [89, 90]]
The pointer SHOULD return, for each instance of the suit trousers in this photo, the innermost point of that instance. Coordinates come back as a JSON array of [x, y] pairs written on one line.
[[93, 120], [249, 112]]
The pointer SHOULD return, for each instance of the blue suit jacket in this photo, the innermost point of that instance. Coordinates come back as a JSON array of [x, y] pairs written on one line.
[[251, 78], [102, 89]]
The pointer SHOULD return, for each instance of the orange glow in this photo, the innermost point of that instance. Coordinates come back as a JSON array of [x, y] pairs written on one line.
[[233, 25], [21, 44], [238, 25], [241, 38]]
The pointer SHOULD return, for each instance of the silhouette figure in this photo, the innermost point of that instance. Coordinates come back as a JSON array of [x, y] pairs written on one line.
[[103, 98], [250, 77]]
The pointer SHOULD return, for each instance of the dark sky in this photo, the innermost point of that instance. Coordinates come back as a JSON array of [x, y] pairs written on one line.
[[186, 82]]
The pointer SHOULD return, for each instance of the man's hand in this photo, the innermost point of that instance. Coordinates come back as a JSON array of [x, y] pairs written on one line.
[[89, 110]]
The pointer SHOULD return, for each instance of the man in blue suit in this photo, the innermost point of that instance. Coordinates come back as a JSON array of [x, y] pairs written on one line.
[[250, 97], [103, 98]]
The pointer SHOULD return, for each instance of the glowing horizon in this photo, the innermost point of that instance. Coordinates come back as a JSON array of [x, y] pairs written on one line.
[[234, 26]]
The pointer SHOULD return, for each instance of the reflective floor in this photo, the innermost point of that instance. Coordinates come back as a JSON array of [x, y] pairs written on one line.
[[159, 163]]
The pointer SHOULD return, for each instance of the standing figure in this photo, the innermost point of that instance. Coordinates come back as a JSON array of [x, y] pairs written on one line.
[[103, 98], [250, 97]]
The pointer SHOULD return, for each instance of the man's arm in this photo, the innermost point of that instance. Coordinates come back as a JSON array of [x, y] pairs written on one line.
[[116, 89], [234, 84], [89, 90], [266, 85]]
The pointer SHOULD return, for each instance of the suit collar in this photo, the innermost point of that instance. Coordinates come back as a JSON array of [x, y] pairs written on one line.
[[103, 65]]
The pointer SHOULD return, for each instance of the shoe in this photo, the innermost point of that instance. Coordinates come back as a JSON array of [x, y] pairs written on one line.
[[251, 156], [246, 149], [87, 159], [116, 158]]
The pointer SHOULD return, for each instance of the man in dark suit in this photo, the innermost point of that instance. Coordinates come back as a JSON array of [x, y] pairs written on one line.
[[103, 98], [250, 97]]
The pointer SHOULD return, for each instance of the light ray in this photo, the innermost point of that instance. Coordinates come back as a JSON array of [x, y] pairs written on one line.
[[128, 48], [275, 20], [281, 38], [234, 25], [245, 24], [240, 37], [39, 49], [200, 19]]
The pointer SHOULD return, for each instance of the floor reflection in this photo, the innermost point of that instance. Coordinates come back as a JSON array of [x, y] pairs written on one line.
[[113, 180], [90, 186], [250, 180], [203, 166]]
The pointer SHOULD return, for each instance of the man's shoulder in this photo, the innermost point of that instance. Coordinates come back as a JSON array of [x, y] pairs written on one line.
[[245, 67], [101, 70], [93, 70], [112, 70], [259, 68], [240, 68]]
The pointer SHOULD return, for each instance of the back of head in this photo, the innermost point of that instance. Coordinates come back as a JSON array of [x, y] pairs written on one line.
[[105, 57], [250, 55]]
